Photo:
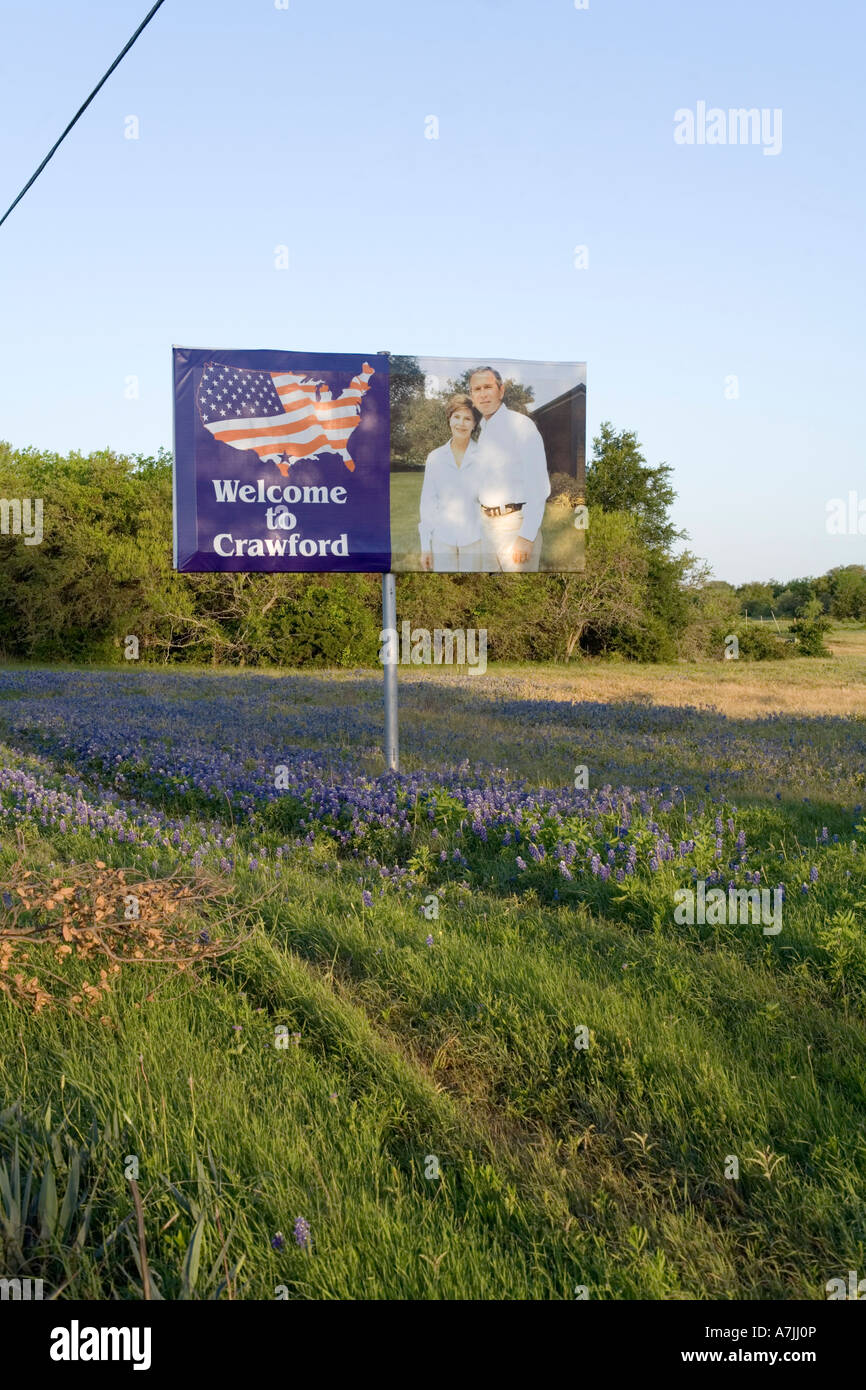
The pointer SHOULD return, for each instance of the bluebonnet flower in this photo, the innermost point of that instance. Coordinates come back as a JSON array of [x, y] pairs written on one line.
[[278, 1241], [92, 722], [813, 874], [367, 898], [302, 1233], [521, 863]]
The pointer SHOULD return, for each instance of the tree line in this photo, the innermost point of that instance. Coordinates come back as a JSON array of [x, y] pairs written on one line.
[[103, 571]]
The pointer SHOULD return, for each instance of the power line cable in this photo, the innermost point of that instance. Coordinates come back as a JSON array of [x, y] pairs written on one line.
[[80, 112]]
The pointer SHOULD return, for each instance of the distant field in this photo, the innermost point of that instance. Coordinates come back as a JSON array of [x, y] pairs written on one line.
[[808, 686], [439, 1035], [847, 641]]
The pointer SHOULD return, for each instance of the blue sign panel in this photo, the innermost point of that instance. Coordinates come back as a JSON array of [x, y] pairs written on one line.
[[281, 461]]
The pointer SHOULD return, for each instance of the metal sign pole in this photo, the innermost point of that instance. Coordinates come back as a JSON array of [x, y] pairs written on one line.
[[389, 623]]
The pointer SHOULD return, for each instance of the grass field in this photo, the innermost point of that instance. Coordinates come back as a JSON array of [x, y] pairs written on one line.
[[562, 545], [339, 1052]]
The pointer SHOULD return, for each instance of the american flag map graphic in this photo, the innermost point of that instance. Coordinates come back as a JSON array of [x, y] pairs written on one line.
[[282, 416]]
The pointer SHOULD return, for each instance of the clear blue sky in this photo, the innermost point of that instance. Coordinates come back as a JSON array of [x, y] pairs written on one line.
[[306, 127]]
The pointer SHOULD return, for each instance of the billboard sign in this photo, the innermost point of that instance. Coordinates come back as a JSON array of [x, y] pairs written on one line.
[[289, 461]]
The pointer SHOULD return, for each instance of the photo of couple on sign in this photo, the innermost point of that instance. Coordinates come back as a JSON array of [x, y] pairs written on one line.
[[487, 463]]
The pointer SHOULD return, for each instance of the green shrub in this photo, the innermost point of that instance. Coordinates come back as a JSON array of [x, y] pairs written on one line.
[[809, 636], [759, 642]]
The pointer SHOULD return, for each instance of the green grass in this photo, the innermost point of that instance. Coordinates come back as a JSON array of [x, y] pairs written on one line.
[[559, 1167], [603, 1167]]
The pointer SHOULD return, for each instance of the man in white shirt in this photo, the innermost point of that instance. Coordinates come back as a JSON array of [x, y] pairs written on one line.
[[512, 478]]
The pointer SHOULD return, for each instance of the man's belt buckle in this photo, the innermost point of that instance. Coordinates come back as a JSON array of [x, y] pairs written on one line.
[[503, 511]]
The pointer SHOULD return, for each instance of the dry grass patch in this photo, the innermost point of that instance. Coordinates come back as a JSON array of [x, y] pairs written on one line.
[[109, 919]]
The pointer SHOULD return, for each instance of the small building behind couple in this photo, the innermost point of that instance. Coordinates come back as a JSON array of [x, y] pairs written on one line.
[[562, 425]]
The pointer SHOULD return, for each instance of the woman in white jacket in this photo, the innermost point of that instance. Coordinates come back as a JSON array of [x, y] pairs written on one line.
[[450, 524]]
